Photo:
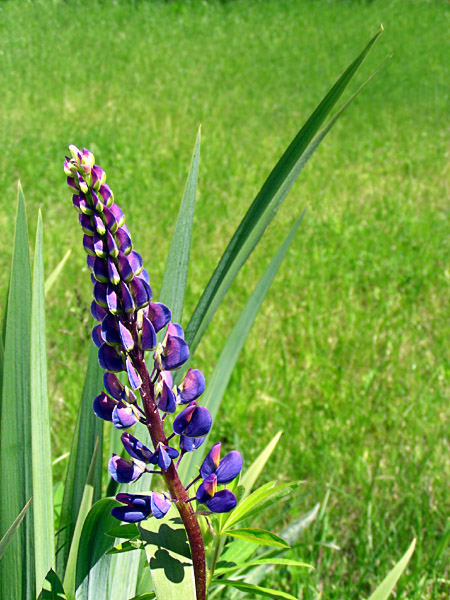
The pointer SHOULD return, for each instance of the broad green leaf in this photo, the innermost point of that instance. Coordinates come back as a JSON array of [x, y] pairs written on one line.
[[257, 590], [257, 536], [257, 502], [53, 589], [236, 551], [264, 561], [168, 555], [218, 383], [128, 531], [85, 506], [127, 546], [12, 530], [93, 564], [264, 207], [56, 271], [87, 430], [384, 590], [17, 575], [44, 535], [175, 275], [145, 596], [254, 470]]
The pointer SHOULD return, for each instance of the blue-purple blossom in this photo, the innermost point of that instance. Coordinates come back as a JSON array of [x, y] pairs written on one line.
[[225, 469], [217, 501], [138, 507], [125, 471], [194, 421]]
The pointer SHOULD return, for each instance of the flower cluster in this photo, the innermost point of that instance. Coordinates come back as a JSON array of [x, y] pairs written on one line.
[[128, 323]]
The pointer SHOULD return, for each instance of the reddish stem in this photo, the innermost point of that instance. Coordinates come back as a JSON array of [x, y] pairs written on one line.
[[176, 488]]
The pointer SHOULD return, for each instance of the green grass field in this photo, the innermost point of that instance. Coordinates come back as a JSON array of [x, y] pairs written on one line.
[[350, 355]]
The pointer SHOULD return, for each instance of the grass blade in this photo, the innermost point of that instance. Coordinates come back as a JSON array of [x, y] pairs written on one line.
[[87, 430], [175, 275], [56, 271], [385, 588], [218, 383], [12, 530], [257, 590], [252, 473], [44, 549], [257, 536], [17, 576], [265, 205]]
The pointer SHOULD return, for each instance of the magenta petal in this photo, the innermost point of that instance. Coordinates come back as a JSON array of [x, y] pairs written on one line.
[[159, 315], [126, 337], [175, 354], [160, 505], [192, 386], [222, 502], [124, 471], [113, 386], [123, 416], [175, 329], [133, 375], [103, 406], [229, 467], [148, 336], [109, 359]]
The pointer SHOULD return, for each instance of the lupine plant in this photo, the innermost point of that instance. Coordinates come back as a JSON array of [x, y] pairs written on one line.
[[191, 504]]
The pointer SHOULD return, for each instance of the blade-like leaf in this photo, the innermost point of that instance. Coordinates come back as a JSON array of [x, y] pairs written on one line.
[[252, 473], [93, 563], [56, 271], [264, 207], [149, 596], [169, 558], [257, 590], [44, 540], [385, 588], [53, 589], [85, 506], [264, 561], [12, 530], [128, 531], [257, 536], [87, 430], [175, 275], [218, 383], [261, 499], [17, 576]]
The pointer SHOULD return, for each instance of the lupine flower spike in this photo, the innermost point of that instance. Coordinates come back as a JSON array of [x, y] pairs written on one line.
[[128, 321]]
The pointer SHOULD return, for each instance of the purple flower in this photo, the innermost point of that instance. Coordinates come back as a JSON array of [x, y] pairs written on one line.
[[226, 469], [139, 507], [194, 421], [218, 502], [125, 471], [192, 386]]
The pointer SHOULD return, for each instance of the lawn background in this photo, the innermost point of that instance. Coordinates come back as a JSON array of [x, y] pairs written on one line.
[[350, 354]]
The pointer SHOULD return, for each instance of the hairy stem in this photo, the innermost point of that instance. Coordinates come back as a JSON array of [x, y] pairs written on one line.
[[176, 488]]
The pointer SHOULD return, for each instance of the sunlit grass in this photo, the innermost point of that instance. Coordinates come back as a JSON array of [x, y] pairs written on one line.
[[350, 355]]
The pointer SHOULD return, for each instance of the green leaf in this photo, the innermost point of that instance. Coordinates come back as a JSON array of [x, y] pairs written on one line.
[[145, 596], [44, 535], [93, 564], [168, 555], [257, 536], [17, 575], [12, 530], [175, 275], [264, 561], [85, 506], [257, 590], [126, 547], [384, 590], [56, 271], [257, 502], [53, 589], [264, 207], [129, 531], [218, 382], [87, 430], [254, 470]]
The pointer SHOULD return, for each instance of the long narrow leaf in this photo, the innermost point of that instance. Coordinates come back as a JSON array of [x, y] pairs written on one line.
[[385, 588], [265, 205], [44, 537], [218, 383], [85, 507], [12, 530], [87, 430], [253, 472], [258, 590], [17, 577], [175, 275], [92, 562]]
